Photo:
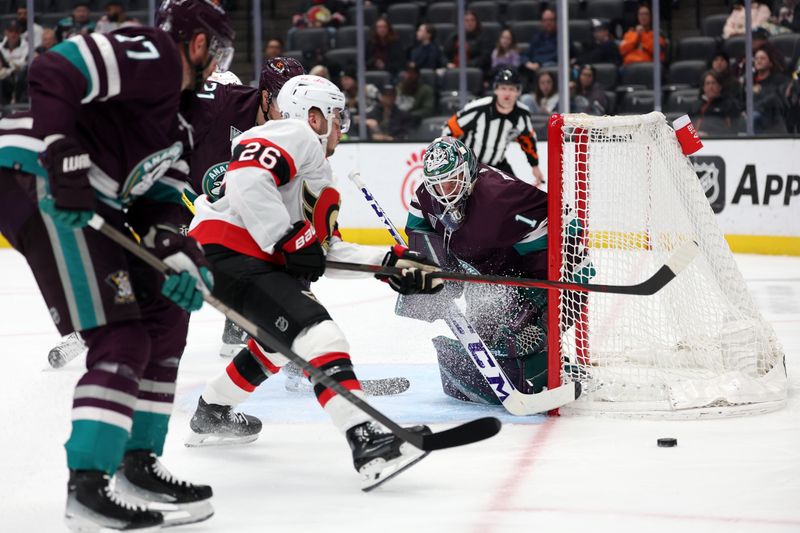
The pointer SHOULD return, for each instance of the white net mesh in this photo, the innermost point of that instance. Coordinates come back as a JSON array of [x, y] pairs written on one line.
[[699, 347]]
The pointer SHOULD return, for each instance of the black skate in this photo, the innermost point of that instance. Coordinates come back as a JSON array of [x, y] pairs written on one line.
[[93, 507], [234, 339], [142, 478], [216, 425], [379, 456]]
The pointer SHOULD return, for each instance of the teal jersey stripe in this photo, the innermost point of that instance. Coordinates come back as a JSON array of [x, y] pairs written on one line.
[[81, 290], [67, 253], [95, 446], [70, 51], [536, 245], [21, 159], [161, 192], [415, 223], [149, 432]]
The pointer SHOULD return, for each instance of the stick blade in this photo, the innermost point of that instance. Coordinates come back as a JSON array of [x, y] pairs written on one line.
[[682, 257], [531, 404], [473, 431]]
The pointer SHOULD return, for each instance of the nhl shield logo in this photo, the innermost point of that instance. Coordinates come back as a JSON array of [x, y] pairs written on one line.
[[711, 173]]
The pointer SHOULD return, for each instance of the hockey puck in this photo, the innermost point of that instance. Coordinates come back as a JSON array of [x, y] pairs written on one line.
[[667, 442]]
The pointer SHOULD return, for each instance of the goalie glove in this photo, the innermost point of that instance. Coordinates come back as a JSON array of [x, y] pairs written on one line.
[[302, 252], [415, 277], [191, 277]]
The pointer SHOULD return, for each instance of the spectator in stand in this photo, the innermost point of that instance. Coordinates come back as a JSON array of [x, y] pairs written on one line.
[[77, 23], [720, 64], [348, 83], [414, 96], [544, 99], [715, 112], [48, 41], [604, 49], [638, 43], [321, 71], [22, 19], [506, 53], [761, 42], [115, 18], [587, 95], [793, 104], [13, 65], [735, 23], [769, 94], [273, 49], [320, 14], [427, 53], [789, 15], [384, 49], [543, 48], [386, 121], [478, 49]]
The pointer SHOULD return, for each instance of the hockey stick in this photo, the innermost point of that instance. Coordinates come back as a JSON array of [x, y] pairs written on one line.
[[466, 433], [516, 402], [679, 260]]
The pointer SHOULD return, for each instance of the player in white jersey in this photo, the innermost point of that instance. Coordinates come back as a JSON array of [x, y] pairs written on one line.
[[267, 237]]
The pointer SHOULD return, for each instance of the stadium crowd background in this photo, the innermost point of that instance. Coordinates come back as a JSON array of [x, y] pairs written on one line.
[[412, 56]]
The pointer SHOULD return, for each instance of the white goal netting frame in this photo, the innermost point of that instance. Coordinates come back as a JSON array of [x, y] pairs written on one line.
[[624, 197]]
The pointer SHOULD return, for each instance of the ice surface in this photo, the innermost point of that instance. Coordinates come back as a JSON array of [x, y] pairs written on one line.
[[548, 475]]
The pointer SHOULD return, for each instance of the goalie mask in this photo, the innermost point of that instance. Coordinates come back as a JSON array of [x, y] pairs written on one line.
[[448, 169]]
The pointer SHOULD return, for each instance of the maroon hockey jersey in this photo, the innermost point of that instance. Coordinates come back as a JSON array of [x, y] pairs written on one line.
[[218, 114], [118, 94], [490, 239]]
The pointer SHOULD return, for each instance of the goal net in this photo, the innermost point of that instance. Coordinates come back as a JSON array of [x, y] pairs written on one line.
[[622, 197]]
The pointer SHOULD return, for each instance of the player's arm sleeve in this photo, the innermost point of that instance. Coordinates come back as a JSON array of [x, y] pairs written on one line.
[[416, 220], [460, 123], [339, 250], [527, 139], [88, 68]]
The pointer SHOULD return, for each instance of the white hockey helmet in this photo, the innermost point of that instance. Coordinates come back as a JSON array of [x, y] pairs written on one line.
[[305, 92], [225, 77]]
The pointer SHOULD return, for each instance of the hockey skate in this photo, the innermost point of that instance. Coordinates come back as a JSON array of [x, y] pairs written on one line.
[[297, 382], [234, 339], [142, 478], [217, 425], [93, 507], [378, 455]]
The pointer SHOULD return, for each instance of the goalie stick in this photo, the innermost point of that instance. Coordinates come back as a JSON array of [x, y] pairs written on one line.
[[516, 402], [467, 433]]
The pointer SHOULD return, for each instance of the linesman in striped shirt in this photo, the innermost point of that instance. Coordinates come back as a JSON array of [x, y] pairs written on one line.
[[488, 124]]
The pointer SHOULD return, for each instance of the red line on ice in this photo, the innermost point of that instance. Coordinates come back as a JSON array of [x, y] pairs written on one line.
[[509, 486]]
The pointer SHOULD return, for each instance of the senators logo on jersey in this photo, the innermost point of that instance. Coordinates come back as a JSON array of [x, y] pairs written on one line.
[[322, 210]]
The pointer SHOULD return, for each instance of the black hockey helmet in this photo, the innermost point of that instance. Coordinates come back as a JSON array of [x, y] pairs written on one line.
[[507, 76]]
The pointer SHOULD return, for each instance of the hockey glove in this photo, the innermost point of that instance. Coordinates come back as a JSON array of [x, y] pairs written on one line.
[[415, 278], [191, 277], [302, 251], [71, 200]]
